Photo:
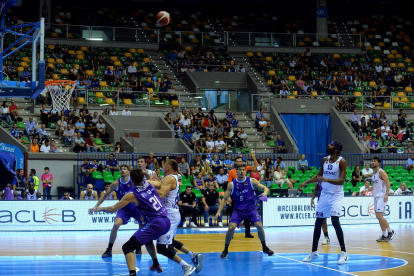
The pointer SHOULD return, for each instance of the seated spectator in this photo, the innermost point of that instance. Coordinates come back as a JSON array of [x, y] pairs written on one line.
[[17, 134], [118, 148], [89, 194], [42, 133], [175, 116], [364, 190], [68, 134], [303, 164], [409, 148], [8, 193], [113, 112], [367, 173], [34, 147], [14, 114], [392, 146], [177, 130], [80, 126], [53, 147], [86, 167], [154, 165], [187, 137], [280, 145], [385, 131], [279, 177], [95, 84], [111, 163], [126, 111], [356, 175], [410, 163], [101, 131], [45, 148], [267, 132], [198, 182], [355, 120], [185, 122], [267, 177], [255, 173], [234, 123], [220, 145], [374, 146], [221, 179], [227, 163], [284, 92], [209, 145], [148, 160], [183, 167], [91, 145], [401, 118], [211, 178], [30, 127], [268, 164], [79, 143], [216, 164], [259, 117], [31, 193], [403, 190], [66, 196], [366, 144], [90, 127], [363, 125], [61, 126], [403, 134], [187, 203], [107, 189], [163, 162], [208, 200]]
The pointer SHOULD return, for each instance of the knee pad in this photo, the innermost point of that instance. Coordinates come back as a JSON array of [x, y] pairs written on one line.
[[177, 244], [163, 250], [131, 245]]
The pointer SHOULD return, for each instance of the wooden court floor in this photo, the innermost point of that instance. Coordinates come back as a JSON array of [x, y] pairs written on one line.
[[359, 240]]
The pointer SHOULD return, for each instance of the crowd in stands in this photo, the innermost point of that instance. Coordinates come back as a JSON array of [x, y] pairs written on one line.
[[334, 75], [373, 128]]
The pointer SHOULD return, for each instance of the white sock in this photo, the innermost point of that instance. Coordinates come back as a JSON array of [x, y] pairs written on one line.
[[389, 230], [190, 254], [183, 263], [384, 233]]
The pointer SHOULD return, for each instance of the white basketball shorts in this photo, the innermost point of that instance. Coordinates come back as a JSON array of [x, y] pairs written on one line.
[[329, 205], [175, 218], [379, 205]]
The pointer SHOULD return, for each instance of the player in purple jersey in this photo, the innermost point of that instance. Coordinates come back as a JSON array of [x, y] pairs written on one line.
[[146, 203], [121, 187], [244, 200]]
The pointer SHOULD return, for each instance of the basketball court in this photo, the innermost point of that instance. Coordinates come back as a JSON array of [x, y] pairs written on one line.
[[79, 253]]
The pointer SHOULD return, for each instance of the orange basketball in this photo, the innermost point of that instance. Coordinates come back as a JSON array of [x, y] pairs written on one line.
[[163, 18]]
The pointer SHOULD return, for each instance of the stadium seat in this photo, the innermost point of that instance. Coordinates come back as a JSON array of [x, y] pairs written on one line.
[[99, 142]]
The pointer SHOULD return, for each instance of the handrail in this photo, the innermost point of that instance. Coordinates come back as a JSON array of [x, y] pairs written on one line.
[[288, 128]]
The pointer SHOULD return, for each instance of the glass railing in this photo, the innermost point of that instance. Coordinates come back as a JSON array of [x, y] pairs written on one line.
[[258, 39]]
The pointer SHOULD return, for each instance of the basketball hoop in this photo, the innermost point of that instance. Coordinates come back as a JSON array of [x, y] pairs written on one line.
[[60, 91]]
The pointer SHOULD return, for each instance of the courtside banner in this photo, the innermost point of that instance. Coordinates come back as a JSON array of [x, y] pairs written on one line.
[[356, 210], [56, 215]]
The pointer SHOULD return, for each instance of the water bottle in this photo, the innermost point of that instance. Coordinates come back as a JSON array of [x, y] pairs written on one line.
[[211, 222]]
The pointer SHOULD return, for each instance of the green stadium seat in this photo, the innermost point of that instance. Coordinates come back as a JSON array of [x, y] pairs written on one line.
[[117, 174], [97, 175], [99, 142]]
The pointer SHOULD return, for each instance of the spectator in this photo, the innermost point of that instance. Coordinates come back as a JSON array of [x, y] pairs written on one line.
[[364, 190], [149, 159], [234, 123], [42, 133], [95, 84], [16, 133], [268, 164], [154, 166], [68, 134], [208, 200], [113, 112], [267, 132], [86, 167], [118, 148], [280, 145], [403, 134], [34, 147], [187, 203], [198, 181], [46, 147], [132, 70], [403, 190], [61, 126], [385, 131], [90, 127], [79, 143], [356, 175], [216, 164], [209, 144], [221, 179], [267, 177], [409, 148], [183, 167], [172, 58], [284, 92], [374, 146], [177, 130], [280, 177], [355, 120], [394, 131], [107, 189], [187, 137], [363, 125], [210, 179], [47, 180], [112, 163], [89, 194], [303, 164], [220, 145], [19, 182], [392, 146], [185, 122], [80, 126], [175, 116], [30, 127], [259, 117], [401, 118], [227, 163], [279, 161], [101, 131], [410, 163], [91, 145], [66, 196], [367, 173], [366, 144], [255, 173], [14, 113], [196, 165]]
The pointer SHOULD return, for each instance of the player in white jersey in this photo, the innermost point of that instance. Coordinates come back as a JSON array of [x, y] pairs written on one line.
[[168, 189], [331, 175], [381, 190], [31, 193], [89, 194]]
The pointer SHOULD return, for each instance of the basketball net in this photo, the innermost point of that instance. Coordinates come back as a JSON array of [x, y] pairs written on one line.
[[61, 92]]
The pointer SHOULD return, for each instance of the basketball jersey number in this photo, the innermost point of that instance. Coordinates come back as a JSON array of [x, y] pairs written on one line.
[[241, 198], [156, 204], [330, 167]]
